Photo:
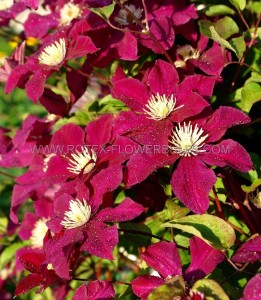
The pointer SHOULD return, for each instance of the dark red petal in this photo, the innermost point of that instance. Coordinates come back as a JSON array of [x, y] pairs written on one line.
[[222, 119], [95, 290], [131, 92], [164, 258], [204, 259], [192, 182], [252, 290], [127, 210], [163, 79], [101, 239], [103, 126], [249, 251], [227, 153], [143, 285], [28, 283]]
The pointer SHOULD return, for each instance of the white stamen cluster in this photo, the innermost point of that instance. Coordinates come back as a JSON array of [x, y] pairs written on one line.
[[84, 160], [54, 54], [159, 107], [5, 4], [38, 233], [255, 198], [186, 52], [78, 214], [69, 12], [186, 140], [124, 18]]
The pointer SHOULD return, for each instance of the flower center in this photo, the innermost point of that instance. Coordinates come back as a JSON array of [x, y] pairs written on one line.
[[54, 54], [78, 214], [186, 52], [124, 18], [38, 233], [84, 160], [5, 4], [69, 12], [255, 198], [159, 107], [187, 141]]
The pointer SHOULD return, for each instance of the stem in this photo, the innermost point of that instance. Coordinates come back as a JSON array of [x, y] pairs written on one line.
[[220, 212], [142, 233], [150, 235], [7, 175], [243, 19], [246, 52], [90, 280], [243, 64]]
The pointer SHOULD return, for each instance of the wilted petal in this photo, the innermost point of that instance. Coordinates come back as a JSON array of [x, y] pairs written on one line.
[[164, 258], [193, 193]]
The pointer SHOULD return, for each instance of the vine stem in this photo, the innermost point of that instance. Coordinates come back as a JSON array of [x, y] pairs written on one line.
[[148, 234], [242, 60], [89, 280], [7, 175]]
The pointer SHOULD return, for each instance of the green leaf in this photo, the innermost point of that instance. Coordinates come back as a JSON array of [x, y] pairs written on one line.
[[239, 45], [104, 12], [252, 187], [224, 27], [173, 287], [251, 93], [3, 222], [220, 9], [211, 289], [239, 4], [174, 211], [9, 253], [222, 42], [211, 229], [133, 234]]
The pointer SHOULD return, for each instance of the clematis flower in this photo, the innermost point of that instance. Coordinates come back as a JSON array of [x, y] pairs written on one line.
[[164, 258], [96, 160], [78, 221], [193, 142], [42, 275], [209, 60], [160, 99], [53, 54]]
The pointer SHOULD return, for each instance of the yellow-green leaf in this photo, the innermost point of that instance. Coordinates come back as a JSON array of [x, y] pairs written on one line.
[[211, 289], [213, 230]]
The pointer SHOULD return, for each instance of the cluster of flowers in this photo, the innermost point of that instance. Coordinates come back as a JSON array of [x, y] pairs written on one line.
[[168, 103]]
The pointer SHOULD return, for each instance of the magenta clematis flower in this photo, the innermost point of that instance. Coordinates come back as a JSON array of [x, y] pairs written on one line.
[[159, 99], [164, 258], [95, 159], [250, 251], [54, 53], [209, 60], [78, 221], [193, 141], [252, 290], [42, 275], [95, 290]]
